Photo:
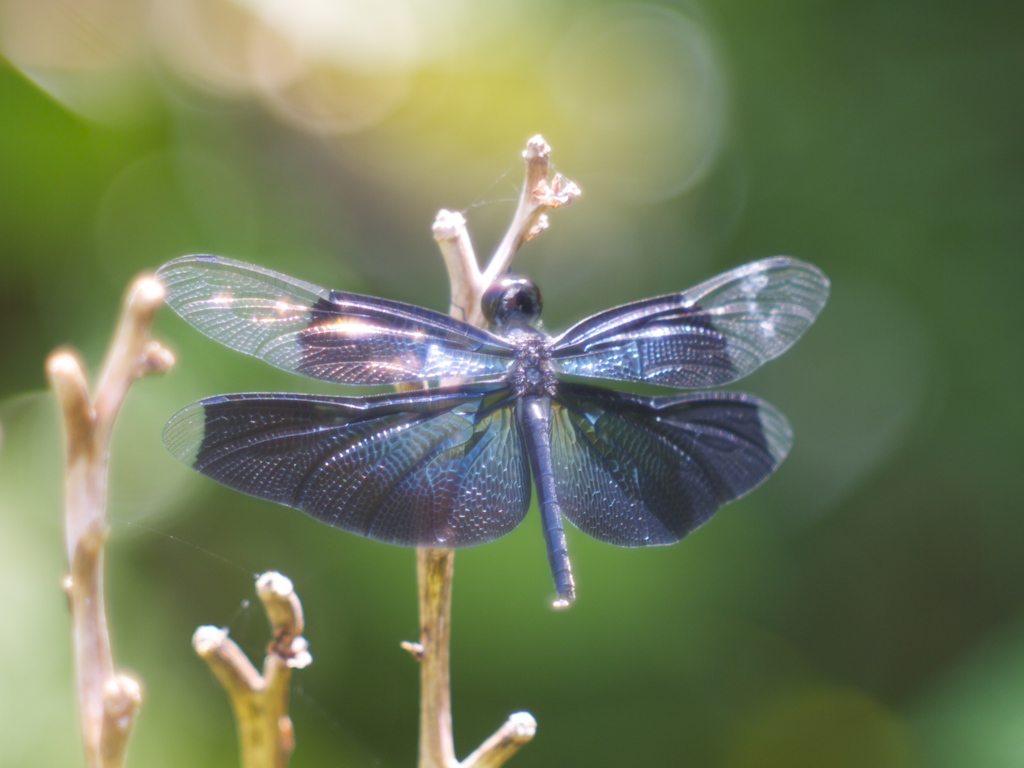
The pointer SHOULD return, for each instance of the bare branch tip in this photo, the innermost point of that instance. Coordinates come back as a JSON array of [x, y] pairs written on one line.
[[122, 697], [66, 375], [284, 611], [500, 746], [538, 164], [298, 655], [226, 660], [283, 607], [537, 148], [274, 584], [156, 358], [146, 293], [67, 379], [207, 639], [448, 225], [64, 362], [522, 725]]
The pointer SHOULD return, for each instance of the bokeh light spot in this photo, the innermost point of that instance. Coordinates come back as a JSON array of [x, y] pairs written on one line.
[[323, 95], [643, 92]]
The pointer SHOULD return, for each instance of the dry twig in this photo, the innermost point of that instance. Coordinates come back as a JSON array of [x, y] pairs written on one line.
[[260, 701], [434, 566], [108, 702], [538, 196]]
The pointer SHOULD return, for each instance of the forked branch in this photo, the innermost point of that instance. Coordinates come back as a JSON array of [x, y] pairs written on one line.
[[108, 702], [260, 701], [538, 196], [434, 567]]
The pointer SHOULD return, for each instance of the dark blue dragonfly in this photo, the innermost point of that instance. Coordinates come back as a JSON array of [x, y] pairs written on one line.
[[450, 466]]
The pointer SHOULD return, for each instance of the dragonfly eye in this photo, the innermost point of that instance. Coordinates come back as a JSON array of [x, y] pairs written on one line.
[[511, 300]]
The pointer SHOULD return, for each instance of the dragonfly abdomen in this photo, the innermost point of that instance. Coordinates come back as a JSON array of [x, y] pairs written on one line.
[[534, 419]]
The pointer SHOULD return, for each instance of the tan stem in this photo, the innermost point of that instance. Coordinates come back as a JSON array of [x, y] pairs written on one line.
[[537, 197], [503, 743], [108, 702], [260, 701], [434, 567]]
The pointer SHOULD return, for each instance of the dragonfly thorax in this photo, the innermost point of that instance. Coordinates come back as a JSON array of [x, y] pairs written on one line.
[[532, 371]]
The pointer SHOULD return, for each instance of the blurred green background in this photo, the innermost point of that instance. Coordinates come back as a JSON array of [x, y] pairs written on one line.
[[864, 608]]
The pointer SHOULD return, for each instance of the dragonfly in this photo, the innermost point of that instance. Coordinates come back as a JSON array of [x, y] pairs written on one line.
[[450, 464]]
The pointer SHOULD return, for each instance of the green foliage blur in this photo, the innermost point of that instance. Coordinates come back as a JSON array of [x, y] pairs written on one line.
[[864, 608]]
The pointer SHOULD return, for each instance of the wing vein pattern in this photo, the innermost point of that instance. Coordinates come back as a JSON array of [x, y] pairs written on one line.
[[331, 335], [710, 335], [439, 467], [638, 471]]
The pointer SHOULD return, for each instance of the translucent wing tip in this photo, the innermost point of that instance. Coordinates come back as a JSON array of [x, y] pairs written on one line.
[[207, 258], [778, 434], [174, 267], [790, 293], [807, 281], [183, 435], [178, 277]]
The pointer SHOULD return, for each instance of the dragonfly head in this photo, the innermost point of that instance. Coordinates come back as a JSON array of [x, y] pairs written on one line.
[[511, 301]]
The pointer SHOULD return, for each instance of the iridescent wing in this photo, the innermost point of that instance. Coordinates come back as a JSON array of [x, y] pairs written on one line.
[[342, 337], [714, 333], [637, 471], [440, 467]]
